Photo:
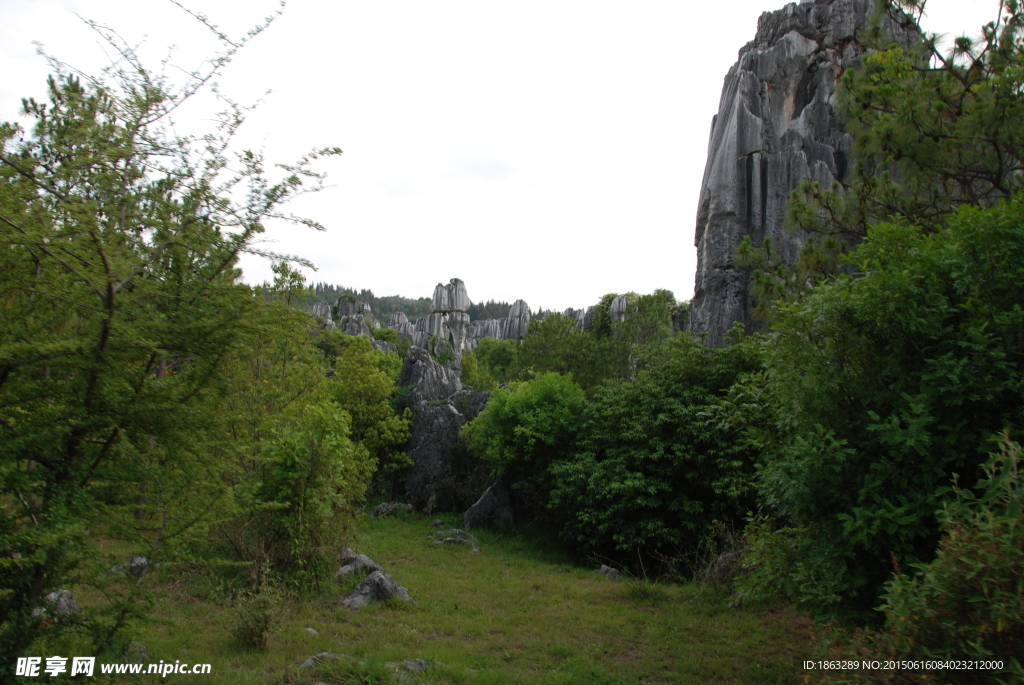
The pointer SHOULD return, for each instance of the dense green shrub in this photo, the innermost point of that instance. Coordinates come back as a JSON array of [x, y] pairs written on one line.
[[526, 428], [969, 601], [653, 466], [879, 388], [299, 499]]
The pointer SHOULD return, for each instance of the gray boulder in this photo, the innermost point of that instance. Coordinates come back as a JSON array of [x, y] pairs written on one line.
[[455, 536], [609, 572], [377, 586], [58, 603], [323, 657], [493, 506], [414, 665], [385, 509], [778, 124], [353, 564]]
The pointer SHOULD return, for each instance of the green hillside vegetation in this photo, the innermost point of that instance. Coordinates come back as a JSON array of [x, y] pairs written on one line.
[[857, 464]]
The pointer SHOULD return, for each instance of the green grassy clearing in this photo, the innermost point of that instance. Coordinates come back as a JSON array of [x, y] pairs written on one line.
[[517, 612]]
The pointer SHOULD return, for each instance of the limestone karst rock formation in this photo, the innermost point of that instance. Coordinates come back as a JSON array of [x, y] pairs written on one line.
[[777, 124], [440, 406]]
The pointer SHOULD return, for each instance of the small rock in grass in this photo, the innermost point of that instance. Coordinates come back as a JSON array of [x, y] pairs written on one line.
[[61, 603], [609, 572], [388, 508], [320, 658], [456, 533], [312, 631], [438, 523], [457, 541], [414, 665], [377, 586], [355, 564]]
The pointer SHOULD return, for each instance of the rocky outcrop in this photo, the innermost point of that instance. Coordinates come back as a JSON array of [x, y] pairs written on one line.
[[357, 325], [617, 311], [377, 586], [777, 124], [513, 327], [494, 506], [455, 536], [353, 564], [440, 407], [428, 380], [321, 309], [385, 509]]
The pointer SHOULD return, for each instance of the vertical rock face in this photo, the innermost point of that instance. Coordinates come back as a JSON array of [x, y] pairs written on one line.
[[777, 124], [518, 321], [617, 311]]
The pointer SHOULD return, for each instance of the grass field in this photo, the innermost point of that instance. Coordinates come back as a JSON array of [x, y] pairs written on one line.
[[517, 612]]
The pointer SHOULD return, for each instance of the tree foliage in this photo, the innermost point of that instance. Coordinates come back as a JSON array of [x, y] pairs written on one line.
[[653, 466], [120, 311], [879, 388], [526, 428]]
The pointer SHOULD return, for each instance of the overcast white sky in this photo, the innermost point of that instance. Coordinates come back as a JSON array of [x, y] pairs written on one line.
[[550, 150]]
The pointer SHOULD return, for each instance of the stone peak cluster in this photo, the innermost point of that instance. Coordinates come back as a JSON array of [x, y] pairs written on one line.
[[448, 324]]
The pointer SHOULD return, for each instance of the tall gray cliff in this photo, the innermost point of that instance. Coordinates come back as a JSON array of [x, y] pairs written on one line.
[[777, 124]]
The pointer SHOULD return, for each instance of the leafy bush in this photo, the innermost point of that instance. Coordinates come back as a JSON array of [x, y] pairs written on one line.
[[255, 615], [302, 486], [526, 428], [969, 601], [653, 466], [878, 389]]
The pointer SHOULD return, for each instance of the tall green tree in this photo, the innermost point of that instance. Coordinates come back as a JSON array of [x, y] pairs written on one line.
[[120, 309]]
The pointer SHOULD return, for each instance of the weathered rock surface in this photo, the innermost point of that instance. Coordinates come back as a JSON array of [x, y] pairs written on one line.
[[377, 586], [384, 346], [494, 506], [353, 564], [414, 665], [385, 509], [321, 309], [323, 657], [455, 536], [357, 325], [430, 381], [435, 437], [777, 125], [618, 308], [609, 572], [518, 321], [58, 603]]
